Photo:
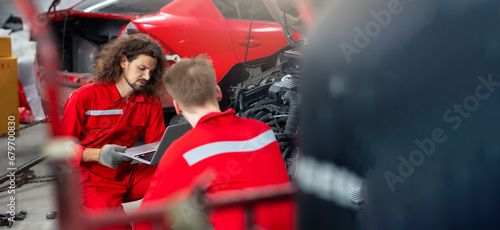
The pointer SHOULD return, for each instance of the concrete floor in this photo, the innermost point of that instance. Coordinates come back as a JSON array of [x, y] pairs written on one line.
[[36, 198]]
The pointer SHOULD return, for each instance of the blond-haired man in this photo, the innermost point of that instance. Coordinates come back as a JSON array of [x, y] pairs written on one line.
[[242, 152]]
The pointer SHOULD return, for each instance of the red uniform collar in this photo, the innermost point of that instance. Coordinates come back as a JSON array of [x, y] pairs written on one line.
[[114, 95], [229, 112]]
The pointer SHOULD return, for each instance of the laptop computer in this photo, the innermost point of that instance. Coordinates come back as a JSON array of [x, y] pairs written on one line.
[[151, 153]]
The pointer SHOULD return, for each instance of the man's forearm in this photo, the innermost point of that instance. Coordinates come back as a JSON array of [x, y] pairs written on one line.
[[90, 154]]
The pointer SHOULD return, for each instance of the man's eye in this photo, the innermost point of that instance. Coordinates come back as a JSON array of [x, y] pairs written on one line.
[[142, 68]]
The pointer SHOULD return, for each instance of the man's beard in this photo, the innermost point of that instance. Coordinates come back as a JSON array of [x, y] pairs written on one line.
[[136, 87]]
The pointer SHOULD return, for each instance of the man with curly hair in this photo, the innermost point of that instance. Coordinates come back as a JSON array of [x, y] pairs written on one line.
[[110, 115]]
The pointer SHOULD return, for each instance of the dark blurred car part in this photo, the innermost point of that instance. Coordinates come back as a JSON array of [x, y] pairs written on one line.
[[413, 111]]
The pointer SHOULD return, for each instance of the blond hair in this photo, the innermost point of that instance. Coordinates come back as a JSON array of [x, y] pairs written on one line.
[[192, 82]]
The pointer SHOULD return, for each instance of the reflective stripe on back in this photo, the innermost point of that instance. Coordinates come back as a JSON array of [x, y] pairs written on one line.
[[104, 112], [205, 151]]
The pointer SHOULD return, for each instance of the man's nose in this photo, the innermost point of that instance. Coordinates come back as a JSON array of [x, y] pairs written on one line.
[[147, 75]]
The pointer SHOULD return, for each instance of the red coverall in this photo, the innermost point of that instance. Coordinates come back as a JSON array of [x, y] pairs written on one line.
[[242, 152], [97, 115]]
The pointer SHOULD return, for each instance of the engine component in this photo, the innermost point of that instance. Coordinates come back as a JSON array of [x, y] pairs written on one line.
[[284, 85], [272, 96]]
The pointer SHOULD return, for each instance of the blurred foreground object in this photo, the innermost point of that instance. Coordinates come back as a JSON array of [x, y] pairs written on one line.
[[404, 94], [25, 114], [9, 115]]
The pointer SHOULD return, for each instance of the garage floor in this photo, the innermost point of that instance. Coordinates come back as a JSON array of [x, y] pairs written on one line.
[[36, 198]]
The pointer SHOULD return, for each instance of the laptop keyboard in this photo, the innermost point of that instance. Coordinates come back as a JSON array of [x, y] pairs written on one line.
[[146, 156]]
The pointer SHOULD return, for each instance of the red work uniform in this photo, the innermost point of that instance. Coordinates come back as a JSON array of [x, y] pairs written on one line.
[[97, 115], [242, 152]]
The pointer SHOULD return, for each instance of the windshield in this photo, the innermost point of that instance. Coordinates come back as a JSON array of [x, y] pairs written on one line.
[[122, 6]]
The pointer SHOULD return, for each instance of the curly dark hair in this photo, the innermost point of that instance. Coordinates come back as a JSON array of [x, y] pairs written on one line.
[[106, 67]]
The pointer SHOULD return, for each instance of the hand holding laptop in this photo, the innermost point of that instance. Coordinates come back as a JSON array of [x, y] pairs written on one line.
[[112, 155]]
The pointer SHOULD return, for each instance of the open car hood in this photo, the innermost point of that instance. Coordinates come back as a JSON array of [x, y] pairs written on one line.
[[285, 12]]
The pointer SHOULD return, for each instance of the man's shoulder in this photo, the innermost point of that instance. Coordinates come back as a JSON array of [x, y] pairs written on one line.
[[89, 89], [209, 131], [193, 138], [152, 99], [252, 123], [229, 122]]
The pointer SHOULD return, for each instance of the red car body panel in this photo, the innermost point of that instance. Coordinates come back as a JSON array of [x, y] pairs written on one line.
[[190, 35], [263, 39]]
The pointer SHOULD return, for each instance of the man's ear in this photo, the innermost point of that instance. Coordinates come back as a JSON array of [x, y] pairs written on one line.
[[219, 93], [124, 62], [177, 107]]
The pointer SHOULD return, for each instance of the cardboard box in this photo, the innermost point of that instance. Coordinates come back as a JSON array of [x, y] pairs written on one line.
[[5, 46], [9, 95]]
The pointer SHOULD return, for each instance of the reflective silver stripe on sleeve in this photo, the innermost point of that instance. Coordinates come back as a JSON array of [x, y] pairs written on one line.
[[205, 151], [104, 112]]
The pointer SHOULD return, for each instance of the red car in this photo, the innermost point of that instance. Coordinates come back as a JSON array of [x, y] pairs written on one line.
[[185, 28]]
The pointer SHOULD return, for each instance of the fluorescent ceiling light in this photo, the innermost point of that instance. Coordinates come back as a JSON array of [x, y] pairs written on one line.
[[100, 5]]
